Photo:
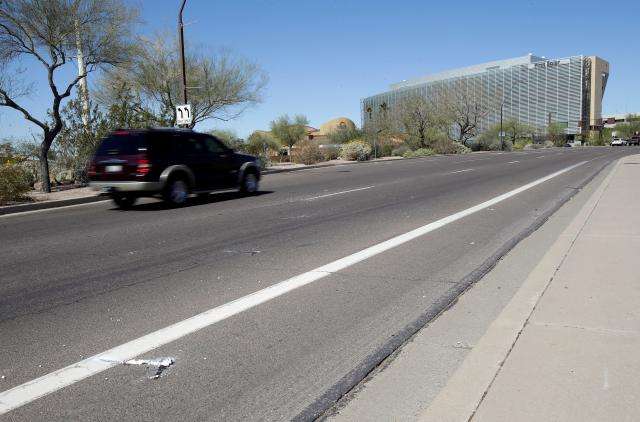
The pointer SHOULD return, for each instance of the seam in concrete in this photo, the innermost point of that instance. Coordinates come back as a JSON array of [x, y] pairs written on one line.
[[600, 330]]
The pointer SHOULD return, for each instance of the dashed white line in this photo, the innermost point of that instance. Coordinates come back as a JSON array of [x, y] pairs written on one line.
[[54, 381], [339, 193], [513, 162], [541, 156], [461, 171]]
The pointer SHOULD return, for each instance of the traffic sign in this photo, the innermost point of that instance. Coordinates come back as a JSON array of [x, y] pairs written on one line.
[[184, 115]]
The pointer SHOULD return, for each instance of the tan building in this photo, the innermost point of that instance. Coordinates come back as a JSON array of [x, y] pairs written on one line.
[[596, 74], [322, 135]]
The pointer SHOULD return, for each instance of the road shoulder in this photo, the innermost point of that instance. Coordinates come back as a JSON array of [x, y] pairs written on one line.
[[418, 372]]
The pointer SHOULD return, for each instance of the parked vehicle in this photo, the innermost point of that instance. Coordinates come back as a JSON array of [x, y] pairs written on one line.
[[617, 142], [171, 163], [635, 140]]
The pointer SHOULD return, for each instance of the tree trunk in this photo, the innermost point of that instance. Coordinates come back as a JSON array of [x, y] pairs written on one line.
[[44, 163]]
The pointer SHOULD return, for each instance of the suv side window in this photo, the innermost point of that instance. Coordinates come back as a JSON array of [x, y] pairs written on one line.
[[190, 145], [213, 146]]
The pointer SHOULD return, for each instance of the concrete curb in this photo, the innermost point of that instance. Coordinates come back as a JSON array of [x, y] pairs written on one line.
[[34, 206], [464, 391]]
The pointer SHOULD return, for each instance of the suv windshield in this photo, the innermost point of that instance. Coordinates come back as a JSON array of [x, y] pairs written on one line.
[[124, 143]]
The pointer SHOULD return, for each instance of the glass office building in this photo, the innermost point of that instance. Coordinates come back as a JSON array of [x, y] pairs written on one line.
[[534, 90]]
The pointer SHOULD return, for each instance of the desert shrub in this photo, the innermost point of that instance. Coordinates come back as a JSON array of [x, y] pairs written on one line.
[[386, 150], [420, 152], [521, 144], [355, 150], [461, 149], [14, 182], [306, 152], [446, 146], [549, 144], [400, 151], [330, 153]]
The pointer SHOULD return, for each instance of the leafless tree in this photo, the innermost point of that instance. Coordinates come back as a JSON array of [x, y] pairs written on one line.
[[220, 86], [463, 107], [44, 32]]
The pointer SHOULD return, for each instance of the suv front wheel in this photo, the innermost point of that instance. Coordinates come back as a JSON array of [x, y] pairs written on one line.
[[249, 184], [176, 192]]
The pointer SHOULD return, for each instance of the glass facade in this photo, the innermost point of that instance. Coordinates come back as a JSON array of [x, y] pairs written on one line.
[[531, 89]]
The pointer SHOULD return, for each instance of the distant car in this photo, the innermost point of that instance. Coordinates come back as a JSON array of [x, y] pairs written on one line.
[[635, 140], [568, 145], [170, 163], [618, 142]]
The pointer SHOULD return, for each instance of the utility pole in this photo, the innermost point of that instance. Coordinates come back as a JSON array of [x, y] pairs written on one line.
[[83, 87], [184, 68]]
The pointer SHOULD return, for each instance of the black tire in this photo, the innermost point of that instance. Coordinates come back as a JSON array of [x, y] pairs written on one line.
[[124, 201], [249, 185], [176, 192]]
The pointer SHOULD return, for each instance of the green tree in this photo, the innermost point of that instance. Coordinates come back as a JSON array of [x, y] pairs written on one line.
[[221, 86], [48, 32], [341, 136], [556, 134], [289, 131], [514, 130], [260, 143], [230, 138], [629, 127]]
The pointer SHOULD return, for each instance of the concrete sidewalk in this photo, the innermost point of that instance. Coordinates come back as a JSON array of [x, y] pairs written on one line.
[[567, 345]]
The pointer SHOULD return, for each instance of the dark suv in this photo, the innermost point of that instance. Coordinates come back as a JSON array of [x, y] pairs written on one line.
[[171, 163]]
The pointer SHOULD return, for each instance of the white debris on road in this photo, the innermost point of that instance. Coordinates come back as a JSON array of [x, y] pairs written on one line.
[[157, 365]]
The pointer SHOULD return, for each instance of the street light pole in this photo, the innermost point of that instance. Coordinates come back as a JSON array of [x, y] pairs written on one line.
[[501, 131], [184, 67]]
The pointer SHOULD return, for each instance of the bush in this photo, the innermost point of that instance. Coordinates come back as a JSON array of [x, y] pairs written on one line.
[[461, 149], [521, 144], [420, 152], [446, 146], [306, 152], [400, 151], [549, 144], [386, 150], [330, 153], [355, 150], [14, 182]]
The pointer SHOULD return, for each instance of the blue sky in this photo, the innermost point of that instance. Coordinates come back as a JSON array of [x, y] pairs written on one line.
[[323, 56]]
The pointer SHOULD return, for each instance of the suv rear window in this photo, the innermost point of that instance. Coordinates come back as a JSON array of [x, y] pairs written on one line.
[[124, 143]]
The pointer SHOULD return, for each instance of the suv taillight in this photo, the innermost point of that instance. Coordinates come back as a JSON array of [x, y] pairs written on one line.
[[143, 165], [92, 169]]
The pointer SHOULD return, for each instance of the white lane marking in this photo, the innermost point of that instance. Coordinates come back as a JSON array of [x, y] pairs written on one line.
[[20, 213], [513, 162], [541, 156], [461, 171], [49, 383], [338, 193]]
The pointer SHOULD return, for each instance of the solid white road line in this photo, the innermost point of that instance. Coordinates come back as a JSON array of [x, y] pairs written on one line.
[[338, 193], [461, 171], [21, 213], [47, 384]]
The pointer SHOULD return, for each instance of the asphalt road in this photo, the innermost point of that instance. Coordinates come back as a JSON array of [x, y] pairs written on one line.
[[78, 281]]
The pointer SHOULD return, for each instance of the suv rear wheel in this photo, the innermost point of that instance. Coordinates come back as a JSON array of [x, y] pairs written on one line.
[[176, 192], [124, 201]]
